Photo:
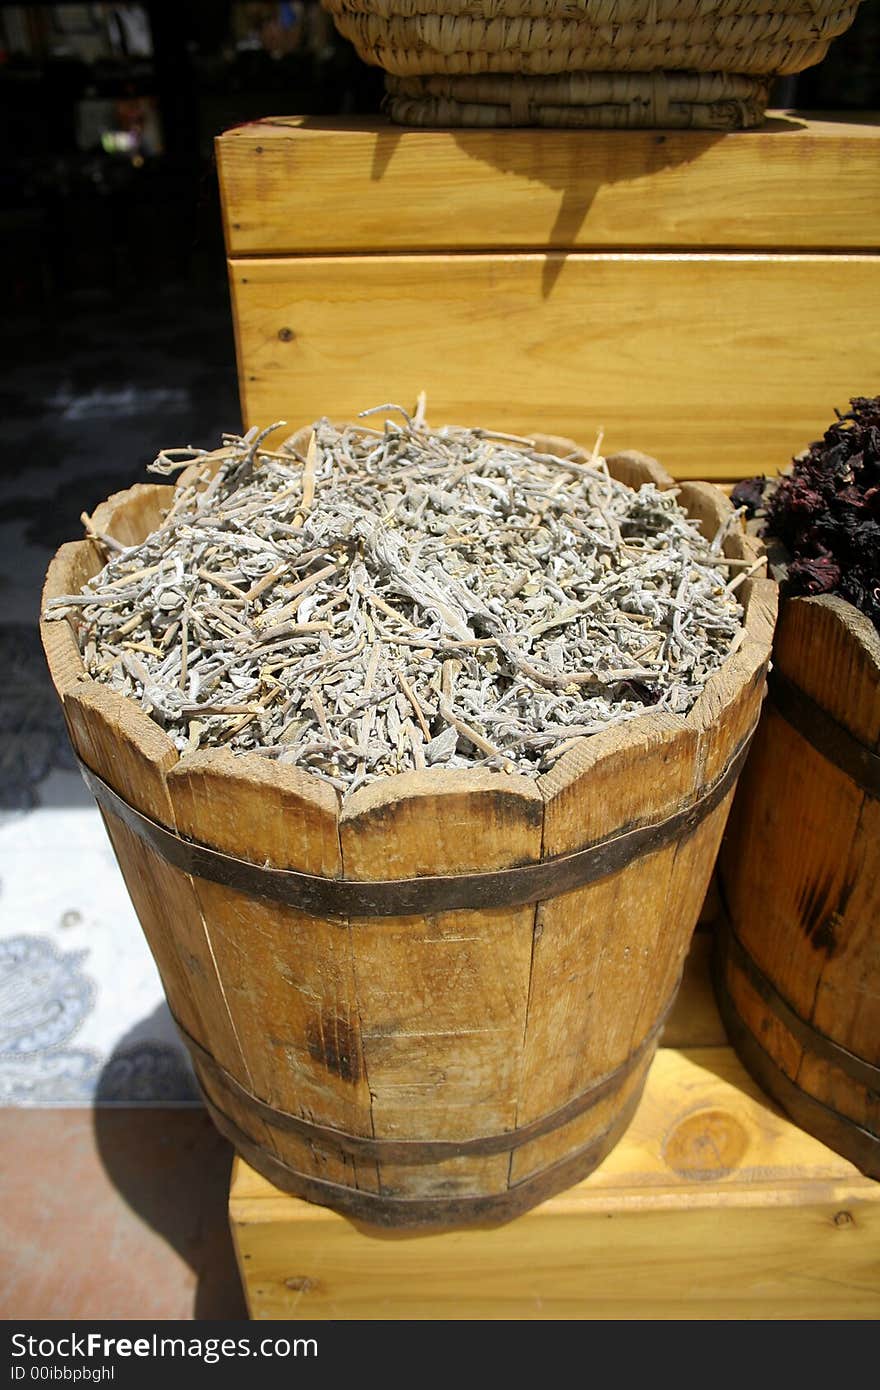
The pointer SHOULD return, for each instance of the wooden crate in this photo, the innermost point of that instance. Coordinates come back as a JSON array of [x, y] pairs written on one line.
[[702, 297], [712, 1206]]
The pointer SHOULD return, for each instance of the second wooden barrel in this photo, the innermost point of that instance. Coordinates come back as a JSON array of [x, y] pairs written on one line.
[[798, 968]]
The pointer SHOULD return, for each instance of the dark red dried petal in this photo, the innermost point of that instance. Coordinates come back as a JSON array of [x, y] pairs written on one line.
[[826, 511]]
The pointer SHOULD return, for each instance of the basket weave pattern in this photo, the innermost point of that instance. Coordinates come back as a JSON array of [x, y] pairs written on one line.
[[666, 41], [611, 101]]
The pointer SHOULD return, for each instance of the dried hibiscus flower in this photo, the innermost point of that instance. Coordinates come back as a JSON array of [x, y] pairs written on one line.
[[826, 511]]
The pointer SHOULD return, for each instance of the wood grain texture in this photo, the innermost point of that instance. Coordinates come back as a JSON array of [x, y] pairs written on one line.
[[721, 366], [131, 515], [444, 997], [293, 185], [588, 1128], [833, 652], [592, 944], [800, 866], [727, 709], [288, 977], [667, 939], [632, 467], [711, 1206], [72, 565]]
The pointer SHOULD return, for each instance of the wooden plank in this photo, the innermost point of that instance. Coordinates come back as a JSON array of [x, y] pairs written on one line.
[[131, 515], [288, 977], [592, 945], [720, 366], [832, 651], [443, 998], [72, 565], [711, 1206], [795, 881], [689, 874], [729, 705], [315, 185], [806, 906]]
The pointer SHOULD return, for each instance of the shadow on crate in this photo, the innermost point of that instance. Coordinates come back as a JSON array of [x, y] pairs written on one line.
[[644, 152], [172, 1169]]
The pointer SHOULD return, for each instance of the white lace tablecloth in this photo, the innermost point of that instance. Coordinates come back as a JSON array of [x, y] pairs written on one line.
[[82, 1014]]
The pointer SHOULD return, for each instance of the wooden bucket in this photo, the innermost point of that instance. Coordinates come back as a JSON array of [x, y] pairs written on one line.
[[798, 963], [439, 1003]]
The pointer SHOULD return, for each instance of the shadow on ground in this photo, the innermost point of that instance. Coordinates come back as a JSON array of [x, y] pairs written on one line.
[[167, 1161], [172, 1169]]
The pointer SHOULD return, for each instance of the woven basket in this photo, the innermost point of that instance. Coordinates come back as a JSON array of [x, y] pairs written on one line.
[[706, 63], [708, 100]]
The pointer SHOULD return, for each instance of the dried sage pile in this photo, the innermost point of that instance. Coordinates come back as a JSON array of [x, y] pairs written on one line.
[[369, 600]]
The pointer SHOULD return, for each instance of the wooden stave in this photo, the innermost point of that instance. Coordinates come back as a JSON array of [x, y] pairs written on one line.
[[844, 1135]]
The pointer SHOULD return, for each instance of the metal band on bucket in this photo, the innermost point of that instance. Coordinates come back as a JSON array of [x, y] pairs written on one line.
[[829, 737], [807, 1034], [336, 897], [384, 1210], [838, 1131], [425, 1150]]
